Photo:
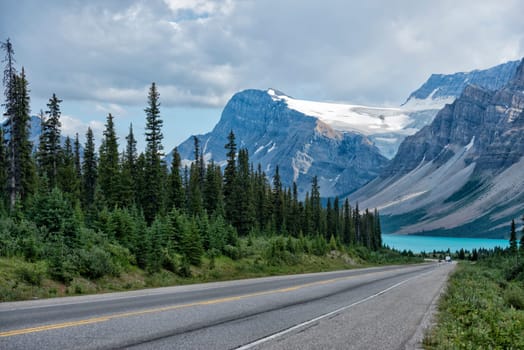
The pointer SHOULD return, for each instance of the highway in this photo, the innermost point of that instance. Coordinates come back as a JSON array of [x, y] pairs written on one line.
[[372, 308]]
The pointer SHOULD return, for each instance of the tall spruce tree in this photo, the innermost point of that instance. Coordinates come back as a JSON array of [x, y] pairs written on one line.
[[49, 149], [195, 203], [108, 165], [278, 201], [128, 180], [522, 236], [316, 208], [78, 165], [348, 236], [176, 190], [213, 201], [513, 237], [230, 174], [22, 168], [152, 201], [9, 93], [245, 207], [3, 170], [89, 171], [68, 182]]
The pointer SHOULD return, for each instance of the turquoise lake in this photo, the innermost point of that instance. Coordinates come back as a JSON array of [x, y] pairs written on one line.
[[427, 244]]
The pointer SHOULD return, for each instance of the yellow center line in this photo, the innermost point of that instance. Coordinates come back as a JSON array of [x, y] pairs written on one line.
[[167, 308]]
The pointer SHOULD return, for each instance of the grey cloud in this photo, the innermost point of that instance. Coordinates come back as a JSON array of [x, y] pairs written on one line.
[[371, 52]]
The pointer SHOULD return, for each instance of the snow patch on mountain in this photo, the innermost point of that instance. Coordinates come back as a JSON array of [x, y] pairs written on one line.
[[353, 118], [386, 127], [429, 103]]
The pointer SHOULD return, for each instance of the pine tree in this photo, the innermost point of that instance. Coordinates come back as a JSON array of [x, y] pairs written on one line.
[[293, 215], [49, 148], [522, 236], [89, 170], [108, 165], [22, 168], [336, 219], [316, 209], [128, 178], [195, 204], [213, 201], [9, 93], [3, 169], [78, 164], [278, 201], [348, 231], [329, 220], [230, 174], [175, 189], [377, 231], [68, 182], [152, 201], [245, 218], [356, 225], [513, 237], [262, 201]]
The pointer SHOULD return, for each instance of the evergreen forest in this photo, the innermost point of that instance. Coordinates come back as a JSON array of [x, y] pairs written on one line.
[[81, 209]]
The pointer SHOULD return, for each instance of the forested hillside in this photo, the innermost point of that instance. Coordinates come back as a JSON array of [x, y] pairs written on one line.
[[100, 211]]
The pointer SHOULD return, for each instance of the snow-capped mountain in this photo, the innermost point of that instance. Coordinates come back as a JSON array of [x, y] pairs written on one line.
[[345, 145], [462, 175], [279, 130], [385, 127], [442, 89]]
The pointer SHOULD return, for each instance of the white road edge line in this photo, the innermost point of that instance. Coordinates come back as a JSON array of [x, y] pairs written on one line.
[[329, 314]]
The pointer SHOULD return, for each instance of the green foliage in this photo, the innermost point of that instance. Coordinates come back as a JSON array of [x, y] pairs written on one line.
[[49, 150], [101, 214], [152, 193], [481, 308], [32, 274], [108, 165]]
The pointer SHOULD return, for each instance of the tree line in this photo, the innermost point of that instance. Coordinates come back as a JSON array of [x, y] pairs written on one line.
[[92, 211]]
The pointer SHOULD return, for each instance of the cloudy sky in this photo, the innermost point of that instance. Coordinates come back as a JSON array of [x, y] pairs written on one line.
[[101, 56]]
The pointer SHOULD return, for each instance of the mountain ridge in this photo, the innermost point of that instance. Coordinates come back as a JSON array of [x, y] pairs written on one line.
[[461, 172]]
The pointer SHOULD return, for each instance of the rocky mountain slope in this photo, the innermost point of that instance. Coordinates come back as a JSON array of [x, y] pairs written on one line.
[[442, 89], [345, 145], [301, 145], [461, 175]]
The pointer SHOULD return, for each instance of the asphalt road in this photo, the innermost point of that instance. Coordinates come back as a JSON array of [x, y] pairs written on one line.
[[375, 308]]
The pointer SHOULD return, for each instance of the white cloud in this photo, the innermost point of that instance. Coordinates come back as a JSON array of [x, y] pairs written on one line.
[[200, 52], [71, 126], [112, 108], [200, 7]]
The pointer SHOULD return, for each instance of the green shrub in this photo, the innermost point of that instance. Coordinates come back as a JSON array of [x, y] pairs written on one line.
[[95, 263], [514, 296], [32, 274]]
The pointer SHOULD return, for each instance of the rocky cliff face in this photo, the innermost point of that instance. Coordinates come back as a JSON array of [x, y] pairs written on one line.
[[440, 89], [302, 146], [464, 171]]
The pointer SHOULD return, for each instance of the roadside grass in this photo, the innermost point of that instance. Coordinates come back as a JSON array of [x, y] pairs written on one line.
[[22, 280], [482, 308]]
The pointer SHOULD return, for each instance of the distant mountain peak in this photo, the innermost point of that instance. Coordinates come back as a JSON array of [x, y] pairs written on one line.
[[462, 174], [442, 89]]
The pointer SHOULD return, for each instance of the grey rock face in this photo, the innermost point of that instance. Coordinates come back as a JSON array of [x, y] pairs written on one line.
[[480, 139], [452, 85], [302, 146]]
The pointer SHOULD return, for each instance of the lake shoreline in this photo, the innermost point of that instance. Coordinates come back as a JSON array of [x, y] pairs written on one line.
[[420, 243]]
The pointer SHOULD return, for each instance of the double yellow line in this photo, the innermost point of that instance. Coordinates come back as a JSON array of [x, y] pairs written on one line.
[[162, 309]]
